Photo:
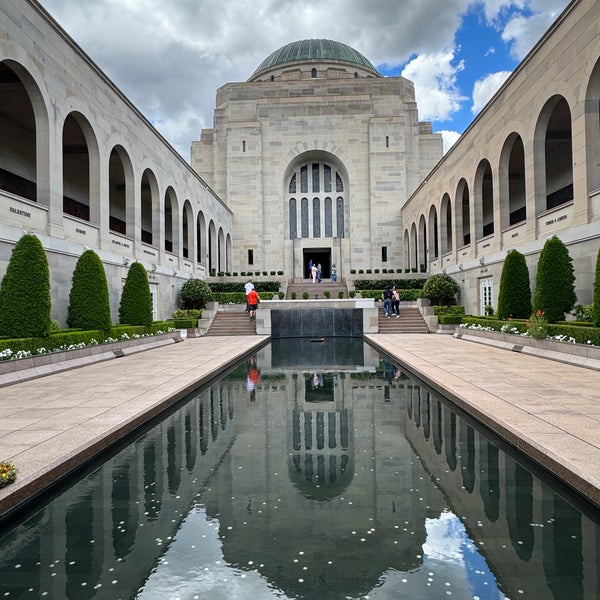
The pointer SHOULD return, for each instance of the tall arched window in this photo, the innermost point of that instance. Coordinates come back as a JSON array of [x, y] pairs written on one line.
[[321, 215]]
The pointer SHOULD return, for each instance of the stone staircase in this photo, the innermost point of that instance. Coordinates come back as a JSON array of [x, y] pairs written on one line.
[[232, 320], [410, 321], [316, 289]]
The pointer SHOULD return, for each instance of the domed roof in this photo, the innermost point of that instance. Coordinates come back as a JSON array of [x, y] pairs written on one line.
[[314, 50]]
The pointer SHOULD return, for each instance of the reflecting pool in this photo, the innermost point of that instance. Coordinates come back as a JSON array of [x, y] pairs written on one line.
[[313, 470]]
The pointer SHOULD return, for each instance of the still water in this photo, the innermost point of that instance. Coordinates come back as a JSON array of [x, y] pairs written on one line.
[[311, 471]]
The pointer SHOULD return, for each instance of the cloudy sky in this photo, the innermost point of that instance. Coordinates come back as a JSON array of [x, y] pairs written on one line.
[[170, 56]]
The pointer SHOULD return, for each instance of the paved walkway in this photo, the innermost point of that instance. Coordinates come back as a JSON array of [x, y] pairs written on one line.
[[51, 424]]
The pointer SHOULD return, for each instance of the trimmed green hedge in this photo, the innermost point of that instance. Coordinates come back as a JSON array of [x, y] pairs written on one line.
[[380, 284], [455, 310], [579, 333], [449, 319], [240, 297], [61, 338], [407, 295], [185, 323], [230, 286]]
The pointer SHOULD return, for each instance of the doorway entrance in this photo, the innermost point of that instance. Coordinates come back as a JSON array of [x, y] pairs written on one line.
[[318, 255]]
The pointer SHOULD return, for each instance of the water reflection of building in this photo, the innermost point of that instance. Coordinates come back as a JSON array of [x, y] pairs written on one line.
[[362, 508], [526, 531], [101, 537]]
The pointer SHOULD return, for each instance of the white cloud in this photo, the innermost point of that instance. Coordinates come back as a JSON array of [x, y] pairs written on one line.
[[434, 76], [169, 58], [485, 88], [448, 138]]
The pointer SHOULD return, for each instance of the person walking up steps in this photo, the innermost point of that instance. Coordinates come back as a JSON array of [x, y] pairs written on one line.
[[387, 302], [253, 300]]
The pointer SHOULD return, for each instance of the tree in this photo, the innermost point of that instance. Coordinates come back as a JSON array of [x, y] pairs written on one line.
[[596, 301], [514, 297], [440, 289], [136, 300], [89, 307], [25, 291], [195, 293], [555, 281]]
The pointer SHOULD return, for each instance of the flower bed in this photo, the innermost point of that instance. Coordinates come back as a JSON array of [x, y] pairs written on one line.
[[8, 473], [557, 348]]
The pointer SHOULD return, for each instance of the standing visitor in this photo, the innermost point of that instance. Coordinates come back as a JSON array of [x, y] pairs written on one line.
[[333, 273], [395, 302], [319, 272], [313, 273], [310, 266]]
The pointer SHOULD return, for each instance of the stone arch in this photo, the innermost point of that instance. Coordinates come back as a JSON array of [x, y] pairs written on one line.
[[201, 239], [422, 245], [413, 256], [483, 202], [150, 210], [25, 170], [462, 210], [187, 231], [512, 182], [316, 196], [171, 220], [432, 225], [81, 169], [120, 191], [553, 155], [406, 252], [592, 129], [212, 247], [221, 251], [446, 224]]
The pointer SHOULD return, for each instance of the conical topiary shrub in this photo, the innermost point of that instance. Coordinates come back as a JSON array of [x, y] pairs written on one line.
[[136, 300], [25, 291], [514, 297], [89, 307], [554, 282]]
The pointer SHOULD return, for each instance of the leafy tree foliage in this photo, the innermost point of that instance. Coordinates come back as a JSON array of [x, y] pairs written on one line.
[[89, 306], [195, 293], [555, 281], [136, 300], [440, 289], [514, 297], [25, 291], [596, 303]]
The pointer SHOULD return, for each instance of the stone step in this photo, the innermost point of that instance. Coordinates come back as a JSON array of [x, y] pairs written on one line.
[[230, 322], [410, 321]]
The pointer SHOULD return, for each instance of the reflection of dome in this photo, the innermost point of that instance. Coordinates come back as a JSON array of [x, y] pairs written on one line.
[[319, 51]]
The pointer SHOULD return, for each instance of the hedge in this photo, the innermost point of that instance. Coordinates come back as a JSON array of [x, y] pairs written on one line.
[[240, 297], [230, 286], [408, 295], [380, 284], [62, 338], [581, 334]]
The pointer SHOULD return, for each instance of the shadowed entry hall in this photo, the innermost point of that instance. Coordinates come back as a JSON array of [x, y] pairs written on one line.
[[318, 255]]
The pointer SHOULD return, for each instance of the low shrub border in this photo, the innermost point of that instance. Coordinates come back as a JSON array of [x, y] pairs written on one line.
[[573, 334], [62, 341]]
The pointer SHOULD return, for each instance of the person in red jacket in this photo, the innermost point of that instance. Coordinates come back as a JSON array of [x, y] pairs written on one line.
[[253, 300]]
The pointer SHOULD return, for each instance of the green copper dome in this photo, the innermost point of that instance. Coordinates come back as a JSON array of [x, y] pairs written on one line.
[[314, 50]]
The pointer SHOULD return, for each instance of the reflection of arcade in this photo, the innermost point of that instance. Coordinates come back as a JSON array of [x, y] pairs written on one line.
[[515, 518]]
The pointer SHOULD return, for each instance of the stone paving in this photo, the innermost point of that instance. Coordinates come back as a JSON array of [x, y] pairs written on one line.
[[52, 424]]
